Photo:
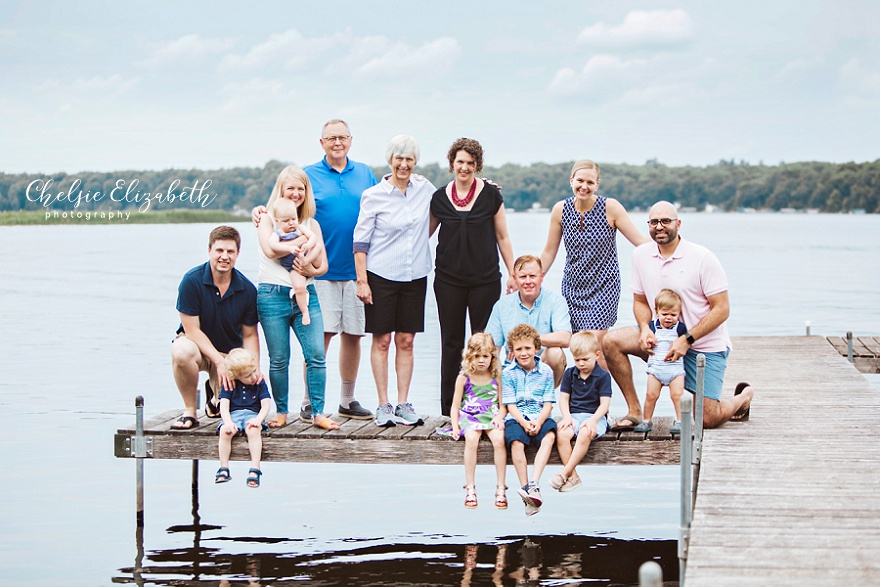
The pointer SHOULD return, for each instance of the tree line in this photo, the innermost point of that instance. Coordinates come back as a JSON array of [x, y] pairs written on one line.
[[727, 185]]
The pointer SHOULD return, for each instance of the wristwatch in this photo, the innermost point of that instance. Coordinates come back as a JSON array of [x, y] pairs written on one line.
[[689, 337]]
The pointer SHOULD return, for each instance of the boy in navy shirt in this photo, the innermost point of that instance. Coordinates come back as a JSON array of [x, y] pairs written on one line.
[[584, 398], [244, 407]]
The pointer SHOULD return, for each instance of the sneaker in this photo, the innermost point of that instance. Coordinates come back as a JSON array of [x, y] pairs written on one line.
[[675, 428], [305, 414], [570, 484], [557, 481], [385, 416], [406, 415], [531, 510], [355, 411], [531, 494]]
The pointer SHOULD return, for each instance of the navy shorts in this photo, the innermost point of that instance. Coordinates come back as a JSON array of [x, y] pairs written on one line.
[[513, 430]]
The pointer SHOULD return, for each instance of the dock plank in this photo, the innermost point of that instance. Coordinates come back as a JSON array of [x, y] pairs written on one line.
[[789, 497]]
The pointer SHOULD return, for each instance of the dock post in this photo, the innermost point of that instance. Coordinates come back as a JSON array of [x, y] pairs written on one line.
[[140, 452], [698, 408], [650, 575], [849, 349], [685, 504], [807, 324]]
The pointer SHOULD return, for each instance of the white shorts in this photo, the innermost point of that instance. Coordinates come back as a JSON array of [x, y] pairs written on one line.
[[340, 306]]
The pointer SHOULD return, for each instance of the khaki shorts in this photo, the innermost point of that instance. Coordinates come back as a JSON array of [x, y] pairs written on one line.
[[205, 365], [342, 310]]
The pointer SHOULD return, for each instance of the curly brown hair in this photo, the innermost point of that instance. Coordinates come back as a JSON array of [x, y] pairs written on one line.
[[523, 332], [469, 146]]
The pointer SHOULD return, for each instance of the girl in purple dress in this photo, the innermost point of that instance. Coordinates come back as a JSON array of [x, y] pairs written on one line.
[[478, 395]]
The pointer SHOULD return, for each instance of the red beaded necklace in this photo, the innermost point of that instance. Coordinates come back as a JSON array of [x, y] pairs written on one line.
[[461, 203]]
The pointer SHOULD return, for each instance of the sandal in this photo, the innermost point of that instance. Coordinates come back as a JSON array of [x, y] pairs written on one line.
[[743, 414], [278, 421], [178, 425], [253, 479], [222, 475], [326, 423], [501, 497], [212, 410], [470, 500]]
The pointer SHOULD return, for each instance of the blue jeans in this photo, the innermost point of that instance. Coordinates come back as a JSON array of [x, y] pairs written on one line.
[[278, 314]]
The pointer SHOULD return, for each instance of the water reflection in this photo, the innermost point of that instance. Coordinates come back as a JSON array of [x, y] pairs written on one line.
[[510, 561]]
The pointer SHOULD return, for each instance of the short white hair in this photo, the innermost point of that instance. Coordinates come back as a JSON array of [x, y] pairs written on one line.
[[402, 145]]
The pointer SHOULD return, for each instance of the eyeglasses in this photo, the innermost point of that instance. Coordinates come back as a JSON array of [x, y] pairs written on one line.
[[340, 138], [663, 221]]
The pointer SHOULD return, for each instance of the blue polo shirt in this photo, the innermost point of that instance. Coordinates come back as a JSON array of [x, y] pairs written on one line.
[[246, 397], [548, 314], [338, 202], [584, 394], [220, 318]]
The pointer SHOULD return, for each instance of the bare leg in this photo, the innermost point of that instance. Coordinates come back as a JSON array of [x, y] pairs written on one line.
[[185, 359], [225, 445], [617, 345], [255, 445], [563, 444], [716, 413], [652, 394], [543, 455], [471, 438], [676, 389], [379, 363], [581, 446], [403, 363], [520, 465], [349, 356], [600, 334], [500, 454], [555, 359], [301, 295]]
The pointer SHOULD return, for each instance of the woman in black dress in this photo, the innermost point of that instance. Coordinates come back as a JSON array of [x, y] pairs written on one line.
[[467, 278]]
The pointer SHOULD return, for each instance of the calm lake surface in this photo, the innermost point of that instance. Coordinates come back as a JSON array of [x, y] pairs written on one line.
[[88, 318]]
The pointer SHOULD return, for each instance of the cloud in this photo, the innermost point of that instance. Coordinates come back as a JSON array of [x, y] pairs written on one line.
[[97, 86], [600, 74], [192, 47], [401, 59], [255, 92], [642, 28], [289, 49]]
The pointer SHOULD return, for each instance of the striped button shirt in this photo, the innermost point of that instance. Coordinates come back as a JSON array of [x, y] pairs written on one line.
[[529, 390], [392, 228]]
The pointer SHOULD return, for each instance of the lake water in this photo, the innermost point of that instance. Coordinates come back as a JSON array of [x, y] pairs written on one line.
[[88, 317]]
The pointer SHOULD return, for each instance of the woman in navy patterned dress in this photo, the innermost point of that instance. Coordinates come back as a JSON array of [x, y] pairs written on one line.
[[589, 223]]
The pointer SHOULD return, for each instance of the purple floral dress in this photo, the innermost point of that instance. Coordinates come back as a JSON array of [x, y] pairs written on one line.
[[479, 406]]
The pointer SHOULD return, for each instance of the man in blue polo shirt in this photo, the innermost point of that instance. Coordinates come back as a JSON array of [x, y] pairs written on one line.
[[546, 311], [338, 183], [218, 312]]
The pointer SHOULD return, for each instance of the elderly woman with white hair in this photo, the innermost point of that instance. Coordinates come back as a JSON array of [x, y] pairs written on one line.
[[392, 259]]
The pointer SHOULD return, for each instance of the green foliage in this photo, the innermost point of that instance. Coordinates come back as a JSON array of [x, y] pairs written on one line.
[[728, 185]]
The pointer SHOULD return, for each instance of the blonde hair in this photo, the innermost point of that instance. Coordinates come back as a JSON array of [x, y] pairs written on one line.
[[306, 209], [583, 343], [667, 300], [523, 332], [524, 260], [584, 164], [239, 362], [284, 208], [480, 343]]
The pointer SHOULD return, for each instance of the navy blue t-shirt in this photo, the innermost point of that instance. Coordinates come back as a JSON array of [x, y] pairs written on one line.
[[246, 397], [220, 318], [585, 393]]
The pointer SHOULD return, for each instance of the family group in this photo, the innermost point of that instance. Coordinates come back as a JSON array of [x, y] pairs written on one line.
[[341, 252]]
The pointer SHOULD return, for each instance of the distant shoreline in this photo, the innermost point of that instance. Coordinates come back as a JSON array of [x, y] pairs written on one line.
[[52, 217]]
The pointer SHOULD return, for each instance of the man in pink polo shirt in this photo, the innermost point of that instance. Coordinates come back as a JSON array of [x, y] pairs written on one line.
[[697, 276]]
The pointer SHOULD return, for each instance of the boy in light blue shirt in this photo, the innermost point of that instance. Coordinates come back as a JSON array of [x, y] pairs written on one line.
[[527, 392]]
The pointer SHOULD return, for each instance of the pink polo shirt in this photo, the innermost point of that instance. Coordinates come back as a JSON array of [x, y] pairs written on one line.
[[694, 273]]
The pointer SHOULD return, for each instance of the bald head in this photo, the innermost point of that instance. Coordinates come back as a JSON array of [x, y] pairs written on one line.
[[663, 209], [663, 224]]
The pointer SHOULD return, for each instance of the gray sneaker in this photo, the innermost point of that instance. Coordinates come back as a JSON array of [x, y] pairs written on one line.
[[355, 411], [531, 497], [406, 415], [385, 416], [305, 414]]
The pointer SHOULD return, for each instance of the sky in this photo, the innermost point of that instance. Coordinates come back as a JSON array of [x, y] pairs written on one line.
[[104, 86]]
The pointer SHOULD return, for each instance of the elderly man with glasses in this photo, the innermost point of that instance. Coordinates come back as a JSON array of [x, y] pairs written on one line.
[[695, 274]]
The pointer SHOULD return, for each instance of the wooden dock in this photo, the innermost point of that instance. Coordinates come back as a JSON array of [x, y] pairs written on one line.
[[363, 442], [791, 497], [865, 351]]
